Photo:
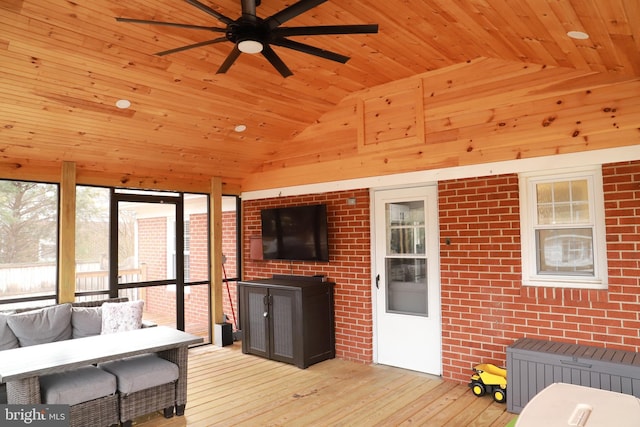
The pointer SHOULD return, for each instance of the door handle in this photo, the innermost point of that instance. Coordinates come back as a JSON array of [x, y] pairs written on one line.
[[266, 301], [378, 281]]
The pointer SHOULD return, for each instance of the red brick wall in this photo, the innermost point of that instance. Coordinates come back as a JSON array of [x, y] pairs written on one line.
[[229, 242], [484, 305], [622, 211], [198, 247], [349, 264], [152, 244], [229, 237], [197, 297], [480, 271], [152, 249]]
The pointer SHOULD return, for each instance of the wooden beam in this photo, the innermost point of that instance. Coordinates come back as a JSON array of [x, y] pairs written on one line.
[[215, 203], [67, 249]]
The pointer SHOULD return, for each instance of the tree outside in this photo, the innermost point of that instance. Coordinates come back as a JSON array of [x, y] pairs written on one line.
[[28, 238], [28, 222]]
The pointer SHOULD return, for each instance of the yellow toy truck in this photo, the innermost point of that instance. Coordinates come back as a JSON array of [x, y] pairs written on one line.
[[489, 378]]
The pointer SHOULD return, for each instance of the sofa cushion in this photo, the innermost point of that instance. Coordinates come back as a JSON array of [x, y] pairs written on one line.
[[41, 326], [141, 372], [7, 337], [86, 321], [121, 316], [76, 386]]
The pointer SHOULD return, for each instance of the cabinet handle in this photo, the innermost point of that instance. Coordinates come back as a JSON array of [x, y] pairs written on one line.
[[576, 364], [265, 314]]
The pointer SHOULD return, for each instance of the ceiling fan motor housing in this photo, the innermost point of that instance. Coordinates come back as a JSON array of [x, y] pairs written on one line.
[[248, 30]]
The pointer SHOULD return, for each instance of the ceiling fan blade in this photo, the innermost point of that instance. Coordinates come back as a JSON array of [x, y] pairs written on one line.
[[191, 46], [291, 12], [311, 50], [231, 58], [275, 60], [326, 29], [203, 7], [171, 24]]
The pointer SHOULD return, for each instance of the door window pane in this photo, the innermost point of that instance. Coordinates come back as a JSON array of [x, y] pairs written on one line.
[[28, 239], [405, 228], [405, 213], [406, 286]]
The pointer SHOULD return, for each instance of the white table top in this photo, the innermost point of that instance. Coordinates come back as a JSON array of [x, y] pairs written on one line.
[[59, 356], [562, 405]]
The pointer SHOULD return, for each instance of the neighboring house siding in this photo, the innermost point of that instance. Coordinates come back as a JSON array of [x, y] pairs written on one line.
[[349, 264], [484, 305]]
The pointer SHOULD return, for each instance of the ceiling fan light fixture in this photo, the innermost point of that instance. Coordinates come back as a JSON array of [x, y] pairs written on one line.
[[250, 46]]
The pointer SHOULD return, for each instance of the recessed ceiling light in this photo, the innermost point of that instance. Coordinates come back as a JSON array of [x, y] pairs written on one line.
[[240, 128], [578, 35], [123, 104]]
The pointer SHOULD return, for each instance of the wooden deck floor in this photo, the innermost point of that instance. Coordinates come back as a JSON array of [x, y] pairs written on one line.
[[228, 388]]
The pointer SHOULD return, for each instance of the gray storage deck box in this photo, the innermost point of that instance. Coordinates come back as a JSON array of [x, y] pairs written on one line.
[[533, 365]]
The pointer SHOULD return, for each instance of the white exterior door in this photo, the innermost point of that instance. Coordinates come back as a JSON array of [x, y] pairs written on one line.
[[406, 270]]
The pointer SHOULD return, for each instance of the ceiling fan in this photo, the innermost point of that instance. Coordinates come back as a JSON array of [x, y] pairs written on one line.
[[252, 34]]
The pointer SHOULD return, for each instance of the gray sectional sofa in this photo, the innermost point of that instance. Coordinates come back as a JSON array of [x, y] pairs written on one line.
[[115, 399], [38, 325]]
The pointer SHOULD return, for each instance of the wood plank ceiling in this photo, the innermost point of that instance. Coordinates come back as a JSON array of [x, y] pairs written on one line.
[[64, 64]]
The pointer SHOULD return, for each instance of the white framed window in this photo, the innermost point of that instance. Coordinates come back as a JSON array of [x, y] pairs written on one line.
[[563, 229]]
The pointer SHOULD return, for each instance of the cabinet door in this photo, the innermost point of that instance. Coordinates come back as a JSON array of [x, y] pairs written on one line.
[[255, 320], [283, 325]]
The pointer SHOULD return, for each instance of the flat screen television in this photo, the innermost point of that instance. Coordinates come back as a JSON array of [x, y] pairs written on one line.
[[295, 233]]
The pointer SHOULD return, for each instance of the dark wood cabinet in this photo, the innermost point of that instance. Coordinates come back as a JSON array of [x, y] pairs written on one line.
[[288, 319]]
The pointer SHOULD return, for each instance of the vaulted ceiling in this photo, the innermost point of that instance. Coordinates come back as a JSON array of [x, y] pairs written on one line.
[[64, 64]]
